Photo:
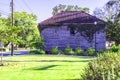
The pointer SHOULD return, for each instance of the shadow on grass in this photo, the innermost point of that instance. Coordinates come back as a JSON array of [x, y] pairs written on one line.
[[64, 69], [45, 68], [50, 67], [47, 60], [72, 79]]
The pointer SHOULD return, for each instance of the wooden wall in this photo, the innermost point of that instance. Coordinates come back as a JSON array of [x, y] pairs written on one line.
[[61, 37]]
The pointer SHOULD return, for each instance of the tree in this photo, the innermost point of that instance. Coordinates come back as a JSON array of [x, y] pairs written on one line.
[[61, 8], [7, 34], [86, 9], [29, 31], [55, 10], [113, 31], [76, 8], [3, 28], [11, 34], [111, 14], [2, 37], [70, 8]]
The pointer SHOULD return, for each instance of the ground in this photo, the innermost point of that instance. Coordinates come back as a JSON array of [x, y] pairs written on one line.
[[46, 67]]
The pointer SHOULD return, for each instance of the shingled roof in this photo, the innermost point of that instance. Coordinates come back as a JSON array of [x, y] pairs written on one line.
[[77, 17]]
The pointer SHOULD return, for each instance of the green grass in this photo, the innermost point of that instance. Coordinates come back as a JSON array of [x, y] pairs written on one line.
[[43, 67]]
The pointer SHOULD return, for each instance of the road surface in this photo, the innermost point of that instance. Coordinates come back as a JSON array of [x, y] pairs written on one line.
[[19, 52]]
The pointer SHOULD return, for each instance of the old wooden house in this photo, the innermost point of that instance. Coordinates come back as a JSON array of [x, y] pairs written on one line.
[[73, 28]]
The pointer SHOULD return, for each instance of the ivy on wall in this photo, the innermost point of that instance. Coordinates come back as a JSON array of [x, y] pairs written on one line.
[[86, 30]]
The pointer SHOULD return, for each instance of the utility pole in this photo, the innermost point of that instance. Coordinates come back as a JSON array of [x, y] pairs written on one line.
[[12, 17]]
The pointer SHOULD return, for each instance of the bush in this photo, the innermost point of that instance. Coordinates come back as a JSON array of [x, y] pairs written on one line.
[[91, 51], [119, 48], [114, 48], [60, 52], [4, 49], [34, 52], [78, 51], [42, 51], [68, 50], [37, 51], [72, 52], [54, 50], [104, 67], [101, 51]]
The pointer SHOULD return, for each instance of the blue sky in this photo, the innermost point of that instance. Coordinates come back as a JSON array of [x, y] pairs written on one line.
[[43, 8]]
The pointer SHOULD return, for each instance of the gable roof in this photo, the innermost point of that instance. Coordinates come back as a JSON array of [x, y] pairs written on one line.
[[77, 17]]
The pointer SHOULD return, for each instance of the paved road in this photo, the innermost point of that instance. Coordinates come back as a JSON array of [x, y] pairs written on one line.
[[19, 52]]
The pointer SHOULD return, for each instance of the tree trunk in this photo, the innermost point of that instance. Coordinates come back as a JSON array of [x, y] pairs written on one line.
[[12, 49]]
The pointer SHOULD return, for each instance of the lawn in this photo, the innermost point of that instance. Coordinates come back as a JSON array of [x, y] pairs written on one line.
[[47, 67]]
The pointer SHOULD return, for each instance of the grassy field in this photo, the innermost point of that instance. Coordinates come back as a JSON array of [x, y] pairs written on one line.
[[43, 67]]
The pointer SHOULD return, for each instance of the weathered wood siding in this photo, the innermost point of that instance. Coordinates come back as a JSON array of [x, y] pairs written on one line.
[[101, 40], [61, 37]]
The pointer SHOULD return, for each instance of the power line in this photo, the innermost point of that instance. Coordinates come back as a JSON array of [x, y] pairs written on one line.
[[4, 4], [27, 6], [19, 5], [3, 14], [1, 11]]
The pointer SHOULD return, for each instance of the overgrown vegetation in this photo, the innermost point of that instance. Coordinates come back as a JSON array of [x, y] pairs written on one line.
[[104, 67]]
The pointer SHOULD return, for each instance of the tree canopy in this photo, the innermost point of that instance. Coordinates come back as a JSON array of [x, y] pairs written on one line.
[[24, 33], [111, 14], [8, 34], [3, 29], [60, 8]]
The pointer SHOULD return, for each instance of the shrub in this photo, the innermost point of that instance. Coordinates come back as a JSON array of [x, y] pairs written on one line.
[[54, 50], [78, 51], [119, 48], [101, 51], [85, 53], [114, 48], [4, 49], [91, 51], [60, 52], [104, 67], [72, 52], [42, 51], [68, 50], [37, 51], [34, 52]]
